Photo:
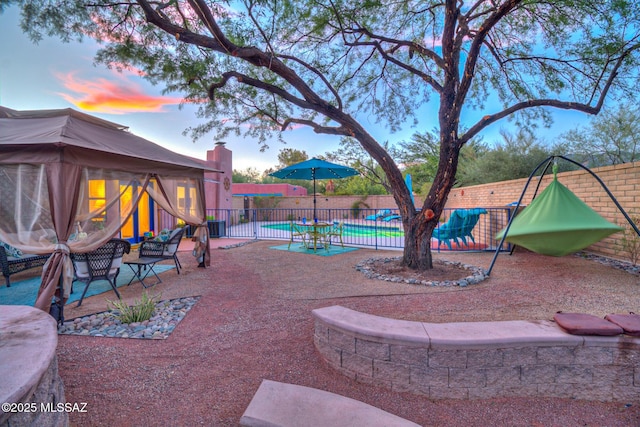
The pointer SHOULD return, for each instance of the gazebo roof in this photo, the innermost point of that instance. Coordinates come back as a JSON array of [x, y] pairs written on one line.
[[44, 135]]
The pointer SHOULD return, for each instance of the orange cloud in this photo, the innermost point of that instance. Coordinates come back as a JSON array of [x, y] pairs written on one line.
[[112, 97]]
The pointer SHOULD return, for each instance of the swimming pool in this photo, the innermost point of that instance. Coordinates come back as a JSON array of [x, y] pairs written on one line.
[[352, 229]]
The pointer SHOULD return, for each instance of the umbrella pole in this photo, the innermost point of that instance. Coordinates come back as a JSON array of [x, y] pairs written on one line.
[[314, 196]]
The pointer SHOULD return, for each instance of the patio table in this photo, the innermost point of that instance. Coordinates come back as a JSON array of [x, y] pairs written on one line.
[[317, 233]]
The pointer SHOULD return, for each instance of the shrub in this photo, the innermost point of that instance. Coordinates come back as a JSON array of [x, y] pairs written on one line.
[[630, 241], [138, 312], [357, 206]]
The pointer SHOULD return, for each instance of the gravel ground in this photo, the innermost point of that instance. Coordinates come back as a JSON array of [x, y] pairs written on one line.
[[253, 322]]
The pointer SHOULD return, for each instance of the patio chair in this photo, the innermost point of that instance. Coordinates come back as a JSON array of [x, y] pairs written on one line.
[[335, 231], [297, 231], [101, 264], [166, 249]]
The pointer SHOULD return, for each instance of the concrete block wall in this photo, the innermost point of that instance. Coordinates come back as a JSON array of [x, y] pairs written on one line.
[[478, 360]]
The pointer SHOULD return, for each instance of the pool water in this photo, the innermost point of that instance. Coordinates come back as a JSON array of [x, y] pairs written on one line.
[[351, 230]]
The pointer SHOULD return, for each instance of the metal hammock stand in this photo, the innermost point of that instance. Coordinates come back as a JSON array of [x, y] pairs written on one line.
[[552, 160]]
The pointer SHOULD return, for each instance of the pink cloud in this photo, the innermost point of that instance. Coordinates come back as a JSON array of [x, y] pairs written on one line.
[[113, 97]]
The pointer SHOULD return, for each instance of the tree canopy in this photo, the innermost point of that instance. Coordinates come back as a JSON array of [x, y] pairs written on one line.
[[336, 66]]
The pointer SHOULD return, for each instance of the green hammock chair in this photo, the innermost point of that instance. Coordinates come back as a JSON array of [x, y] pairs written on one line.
[[557, 223]]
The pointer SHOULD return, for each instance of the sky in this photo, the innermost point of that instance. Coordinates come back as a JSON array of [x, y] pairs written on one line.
[[54, 75]]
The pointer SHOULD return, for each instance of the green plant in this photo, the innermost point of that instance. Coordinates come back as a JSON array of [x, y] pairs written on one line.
[[630, 241], [138, 312], [357, 206], [211, 217], [98, 223]]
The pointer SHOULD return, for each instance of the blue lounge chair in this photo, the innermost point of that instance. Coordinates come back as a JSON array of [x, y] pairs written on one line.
[[459, 227], [379, 215]]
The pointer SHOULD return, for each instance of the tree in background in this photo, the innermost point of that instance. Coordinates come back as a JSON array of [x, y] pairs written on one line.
[[291, 156], [250, 174], [613, 137], [420, 159], [266, 66], [516, 156]]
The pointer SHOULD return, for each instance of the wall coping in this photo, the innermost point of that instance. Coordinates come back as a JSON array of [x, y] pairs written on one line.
[[463, 335]]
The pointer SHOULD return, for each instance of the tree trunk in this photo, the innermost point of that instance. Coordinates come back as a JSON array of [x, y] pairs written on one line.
[[419, 226], [417, 244]]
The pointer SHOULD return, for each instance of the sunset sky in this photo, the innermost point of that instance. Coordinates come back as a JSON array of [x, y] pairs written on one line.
[[52, 75]]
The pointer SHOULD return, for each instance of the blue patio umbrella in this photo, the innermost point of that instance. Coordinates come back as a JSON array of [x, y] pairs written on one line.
[[409, 183], [313, 169]]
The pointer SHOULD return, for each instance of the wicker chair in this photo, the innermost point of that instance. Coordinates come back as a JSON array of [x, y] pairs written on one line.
[[101, 264], [167, 249]]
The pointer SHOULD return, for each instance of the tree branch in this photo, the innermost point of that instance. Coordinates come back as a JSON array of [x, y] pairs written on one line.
[[327, 130], [259, 84], [565, 105]]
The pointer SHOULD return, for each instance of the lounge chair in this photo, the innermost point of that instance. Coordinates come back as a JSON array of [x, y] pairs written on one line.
[[379, 215], [391, 217], [165, 247], [459, 227], [101, 264]]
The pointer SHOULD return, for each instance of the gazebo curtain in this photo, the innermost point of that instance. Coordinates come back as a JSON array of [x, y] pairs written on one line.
[[193, 212]]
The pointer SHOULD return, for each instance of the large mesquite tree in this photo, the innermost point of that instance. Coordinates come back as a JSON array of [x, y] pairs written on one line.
[[258, 67]]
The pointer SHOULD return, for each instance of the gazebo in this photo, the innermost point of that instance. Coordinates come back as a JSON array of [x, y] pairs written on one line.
[[69, 181]]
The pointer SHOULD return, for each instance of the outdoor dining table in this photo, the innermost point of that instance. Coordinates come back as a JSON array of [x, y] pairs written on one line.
[[316, 231]]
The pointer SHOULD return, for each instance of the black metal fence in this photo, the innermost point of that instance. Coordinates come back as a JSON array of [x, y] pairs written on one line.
[[361, 227]]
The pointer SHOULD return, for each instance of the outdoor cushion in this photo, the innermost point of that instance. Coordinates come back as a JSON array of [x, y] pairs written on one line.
[[172, 248], [11, 251], [82, 268], [629, 322], [163, 236], [586, 324]]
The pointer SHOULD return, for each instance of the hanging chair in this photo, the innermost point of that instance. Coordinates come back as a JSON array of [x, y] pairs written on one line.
[[557, 223]]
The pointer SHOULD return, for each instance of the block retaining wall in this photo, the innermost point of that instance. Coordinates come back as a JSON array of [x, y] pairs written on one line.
[[478, 360]]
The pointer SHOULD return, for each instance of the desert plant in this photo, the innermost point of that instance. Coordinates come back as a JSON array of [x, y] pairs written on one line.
[[357, 206], [138, 312], [630, 241]]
